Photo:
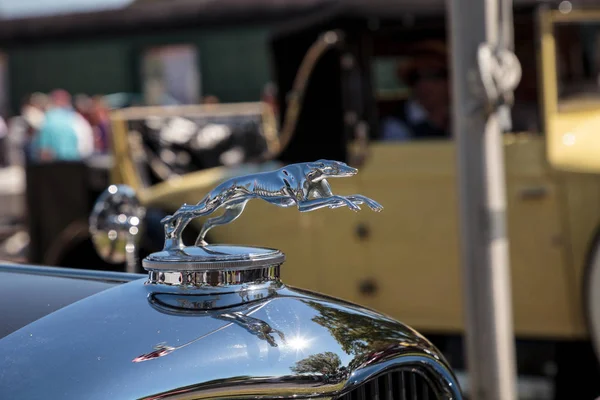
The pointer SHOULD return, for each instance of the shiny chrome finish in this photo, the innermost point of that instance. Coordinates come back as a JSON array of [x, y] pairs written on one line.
[[215, 321], [227, 278], [115, 225], [121, 344], [212, 258], [303, 185], [175, 303], [72, 273], [30, 292]]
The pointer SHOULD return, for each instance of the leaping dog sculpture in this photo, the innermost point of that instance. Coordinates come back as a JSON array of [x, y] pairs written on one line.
[[303, 185]]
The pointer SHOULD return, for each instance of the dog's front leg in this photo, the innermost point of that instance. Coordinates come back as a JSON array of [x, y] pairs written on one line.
[[331, 202], [360, 199], [182, 222], [325, 189], [320, 189]]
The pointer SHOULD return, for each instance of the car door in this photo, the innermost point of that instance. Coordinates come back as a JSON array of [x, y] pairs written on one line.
[[570, 66], [413, 246]]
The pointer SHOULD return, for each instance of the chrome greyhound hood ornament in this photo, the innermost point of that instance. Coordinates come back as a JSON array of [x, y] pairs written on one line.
[[302, 185]]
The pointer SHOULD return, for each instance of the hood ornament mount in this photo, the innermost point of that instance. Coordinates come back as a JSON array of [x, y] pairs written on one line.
[[303, 185]]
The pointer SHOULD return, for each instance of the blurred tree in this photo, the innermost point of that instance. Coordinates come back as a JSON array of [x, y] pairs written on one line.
[[359, 334], [326, 363]]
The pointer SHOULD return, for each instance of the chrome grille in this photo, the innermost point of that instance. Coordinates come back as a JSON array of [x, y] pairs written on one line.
[[395, 385]]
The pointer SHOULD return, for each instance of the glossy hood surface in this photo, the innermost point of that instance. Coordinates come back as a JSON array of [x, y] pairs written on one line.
[[138, 341], [214, 321], [47, 290]]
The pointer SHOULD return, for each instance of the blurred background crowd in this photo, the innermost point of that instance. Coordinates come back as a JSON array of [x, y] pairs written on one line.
[[55, 126]]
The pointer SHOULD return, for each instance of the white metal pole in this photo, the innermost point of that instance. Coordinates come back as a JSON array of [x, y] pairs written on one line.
[[484, 245]]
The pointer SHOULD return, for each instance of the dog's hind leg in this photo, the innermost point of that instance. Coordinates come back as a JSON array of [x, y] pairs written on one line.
[[231, 213]]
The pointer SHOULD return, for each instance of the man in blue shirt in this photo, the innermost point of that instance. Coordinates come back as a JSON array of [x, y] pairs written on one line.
[[57, 138]]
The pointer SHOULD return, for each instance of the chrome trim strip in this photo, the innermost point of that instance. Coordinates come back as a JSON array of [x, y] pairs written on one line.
[[222, 278], [60, 272], [295, 387], [179, 262]]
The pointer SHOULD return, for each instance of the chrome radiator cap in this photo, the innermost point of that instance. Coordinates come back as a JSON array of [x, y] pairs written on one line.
[[206, 266], [216, 322]]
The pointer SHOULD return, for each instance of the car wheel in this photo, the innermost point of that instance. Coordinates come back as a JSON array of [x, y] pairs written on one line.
[[591, 295], [578, 373], [74, 248]]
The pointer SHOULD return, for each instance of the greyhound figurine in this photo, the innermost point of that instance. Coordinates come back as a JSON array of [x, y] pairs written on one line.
[[303, 185]]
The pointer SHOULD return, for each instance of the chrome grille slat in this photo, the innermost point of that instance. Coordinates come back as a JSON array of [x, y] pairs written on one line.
[[425, 392], [394, 385], [403, 387], [375, 392], [389, 391], [413, 386]]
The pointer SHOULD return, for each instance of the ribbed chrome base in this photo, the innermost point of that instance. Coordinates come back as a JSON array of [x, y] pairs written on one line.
[[213, 258], [215, 278]]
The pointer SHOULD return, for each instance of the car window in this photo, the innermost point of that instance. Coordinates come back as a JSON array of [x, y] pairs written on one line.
[[411, 91], [387, 84], [578, 64]]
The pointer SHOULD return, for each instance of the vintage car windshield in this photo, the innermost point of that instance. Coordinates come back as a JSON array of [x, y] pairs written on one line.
[[578, 64], [185, 139]]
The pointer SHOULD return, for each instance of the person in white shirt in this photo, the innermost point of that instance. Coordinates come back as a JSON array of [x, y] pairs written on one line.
[[3, 128], [85, 136], [22, 128], [85, 132]]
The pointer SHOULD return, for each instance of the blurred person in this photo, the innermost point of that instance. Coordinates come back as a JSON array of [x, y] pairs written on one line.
[[18, 132], [83, 124], [3, 127], [426, 114], [34, 115], [3, 142], [58, 137], [210, 99], [23, 127], [269, 96], [85, 136], [100, 124], [34, 110], [83, 105]]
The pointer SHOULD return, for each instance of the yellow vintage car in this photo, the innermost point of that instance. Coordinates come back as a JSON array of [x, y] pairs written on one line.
[[335, 79]]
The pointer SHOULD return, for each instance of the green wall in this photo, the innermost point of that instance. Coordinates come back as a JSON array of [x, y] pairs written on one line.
[[234, 63]]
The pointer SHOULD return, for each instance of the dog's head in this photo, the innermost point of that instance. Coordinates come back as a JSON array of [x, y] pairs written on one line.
[[321, 169]]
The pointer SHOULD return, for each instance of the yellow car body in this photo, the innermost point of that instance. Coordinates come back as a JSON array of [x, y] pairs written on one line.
[[405, 261]]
